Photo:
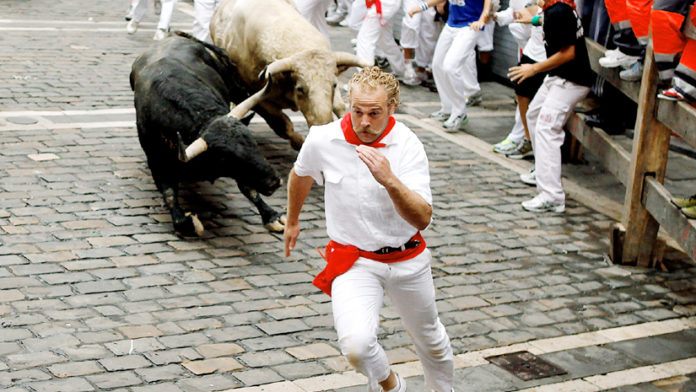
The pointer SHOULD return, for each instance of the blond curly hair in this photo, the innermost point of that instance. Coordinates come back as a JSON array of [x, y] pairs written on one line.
[[370, 78]]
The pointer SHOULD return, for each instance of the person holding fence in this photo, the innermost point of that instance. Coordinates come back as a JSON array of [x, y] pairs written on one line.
[[568, 81]]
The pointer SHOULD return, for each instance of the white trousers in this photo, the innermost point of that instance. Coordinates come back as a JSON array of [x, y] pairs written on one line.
[[454, 67], [517, 132], [140, 7], [373, 33], [315, 12], [548, 112], [420, 32], [357, 297], [203, 12], [485, 39]]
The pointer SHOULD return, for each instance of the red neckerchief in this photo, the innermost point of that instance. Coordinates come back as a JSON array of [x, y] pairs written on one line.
[[339, 258], [352, 138], [378, 5], [549, 3]]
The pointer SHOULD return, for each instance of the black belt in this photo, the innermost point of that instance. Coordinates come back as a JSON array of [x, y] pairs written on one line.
[[388, 249]]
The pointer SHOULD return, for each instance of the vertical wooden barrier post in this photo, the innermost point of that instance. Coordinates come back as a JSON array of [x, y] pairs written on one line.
[[648, 158]]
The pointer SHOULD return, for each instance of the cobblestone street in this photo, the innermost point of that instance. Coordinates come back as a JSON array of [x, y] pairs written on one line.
[[97, 292]]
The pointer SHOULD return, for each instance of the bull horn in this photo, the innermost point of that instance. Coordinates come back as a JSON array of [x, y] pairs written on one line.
[[282, 65], [348, 60], [193, 150], [243, 108]]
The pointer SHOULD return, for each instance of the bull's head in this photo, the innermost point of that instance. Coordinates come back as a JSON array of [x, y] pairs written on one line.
[[186, 153], [314, 80]]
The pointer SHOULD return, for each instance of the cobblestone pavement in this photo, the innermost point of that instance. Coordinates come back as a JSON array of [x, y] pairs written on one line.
[[98, 293]]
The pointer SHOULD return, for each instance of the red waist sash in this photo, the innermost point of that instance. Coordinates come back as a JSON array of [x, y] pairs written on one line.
[[339, 258]]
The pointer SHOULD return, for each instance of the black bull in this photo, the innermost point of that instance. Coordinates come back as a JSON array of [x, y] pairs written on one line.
[[182, 90]]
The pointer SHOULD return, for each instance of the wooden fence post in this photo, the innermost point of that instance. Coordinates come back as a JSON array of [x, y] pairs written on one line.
[[649, 158]]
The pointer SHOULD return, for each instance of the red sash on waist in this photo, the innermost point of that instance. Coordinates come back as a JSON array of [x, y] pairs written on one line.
[[378, 6], [339, 258]]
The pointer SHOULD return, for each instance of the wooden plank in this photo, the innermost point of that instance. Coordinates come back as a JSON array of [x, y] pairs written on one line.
[[613, 156], [657, 201], [596, 51], [649, 157], [680, 117]]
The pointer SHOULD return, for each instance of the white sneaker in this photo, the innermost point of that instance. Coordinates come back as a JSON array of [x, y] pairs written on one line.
[[612, 52], [473, 100], [410, 78], [400, 386], [132, 27], [620, 60], [528, 178], [456, 121], [506, 146], [440, 115], [633, 74], [335, 19], [160, 35], [538, 204]]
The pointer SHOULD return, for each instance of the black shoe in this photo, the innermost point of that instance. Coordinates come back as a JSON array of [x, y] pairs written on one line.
[[598, 120]]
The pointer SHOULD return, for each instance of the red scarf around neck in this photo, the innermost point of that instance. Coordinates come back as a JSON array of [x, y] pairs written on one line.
[[549, 3], [352, 138]]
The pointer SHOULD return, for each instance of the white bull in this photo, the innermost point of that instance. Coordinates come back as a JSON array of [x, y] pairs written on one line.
[[270, 37]]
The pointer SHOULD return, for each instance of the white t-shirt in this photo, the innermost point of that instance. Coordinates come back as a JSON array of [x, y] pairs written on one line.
[[359, 210]]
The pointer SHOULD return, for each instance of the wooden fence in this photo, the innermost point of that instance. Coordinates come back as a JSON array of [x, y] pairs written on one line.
[[647, 204]]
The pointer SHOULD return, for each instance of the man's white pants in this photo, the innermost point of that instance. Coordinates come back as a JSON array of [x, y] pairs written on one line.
[[357, 298], [547, 113], [454, 67], [203, 12], [420, 32], [140, 7], [373, 33], [315, 12]]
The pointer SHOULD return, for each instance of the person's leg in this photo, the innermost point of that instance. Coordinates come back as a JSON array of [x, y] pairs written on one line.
[[368, 35], [441, 48], [139, 10], [555, 110], [532, 116], [685, 75], [314, 11], [356, 298], [203, 12], [668, 40], [386, 41], [412, 292], [523, 105], [166, 14], [459, 67]]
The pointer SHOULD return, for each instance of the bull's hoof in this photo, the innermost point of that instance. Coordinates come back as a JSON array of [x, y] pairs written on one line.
[[277, 225], [190, 226], [296, 141]]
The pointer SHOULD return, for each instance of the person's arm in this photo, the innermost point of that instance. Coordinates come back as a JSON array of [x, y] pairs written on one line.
[[525, 15], [525, 71], [410, 205], [298, 189], [483, 19], [429, 3]]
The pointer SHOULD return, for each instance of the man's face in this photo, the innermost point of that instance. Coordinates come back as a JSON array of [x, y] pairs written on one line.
[[369, 113]]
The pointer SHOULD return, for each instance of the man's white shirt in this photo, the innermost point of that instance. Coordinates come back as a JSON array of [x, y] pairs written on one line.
[[358, 209]]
